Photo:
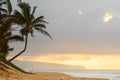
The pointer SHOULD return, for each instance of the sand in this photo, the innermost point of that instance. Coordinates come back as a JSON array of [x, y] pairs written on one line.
[[12, 75]]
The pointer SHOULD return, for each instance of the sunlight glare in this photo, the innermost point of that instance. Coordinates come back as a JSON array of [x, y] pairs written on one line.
[[107, 17]]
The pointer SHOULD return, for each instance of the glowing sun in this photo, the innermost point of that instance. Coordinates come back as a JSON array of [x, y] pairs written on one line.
[[107, 17]]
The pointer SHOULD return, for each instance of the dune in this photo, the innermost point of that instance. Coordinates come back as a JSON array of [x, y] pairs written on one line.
[[15, 75]]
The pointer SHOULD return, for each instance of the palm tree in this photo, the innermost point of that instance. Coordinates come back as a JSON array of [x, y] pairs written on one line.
[[6, 21], [29, 23], [6, 36]]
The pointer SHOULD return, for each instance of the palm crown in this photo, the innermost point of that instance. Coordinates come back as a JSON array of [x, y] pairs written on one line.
[[29, 22]]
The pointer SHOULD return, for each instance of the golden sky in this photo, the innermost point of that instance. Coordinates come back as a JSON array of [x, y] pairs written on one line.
[[92, 61]]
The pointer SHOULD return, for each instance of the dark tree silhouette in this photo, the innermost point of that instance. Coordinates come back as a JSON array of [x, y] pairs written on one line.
[[6, 21], [25, 20], [6, 36], [29, 23]]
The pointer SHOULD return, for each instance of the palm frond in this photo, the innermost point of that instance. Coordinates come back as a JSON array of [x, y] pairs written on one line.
[[3, 10], [16, 38], [44, 32], [2, 3], [39, 25], [9, 6], [19, 17], [32, 15], [39, 20], [34, 9], [25, 8]]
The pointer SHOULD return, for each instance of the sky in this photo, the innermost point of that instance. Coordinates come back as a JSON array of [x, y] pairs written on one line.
[[85, 33]]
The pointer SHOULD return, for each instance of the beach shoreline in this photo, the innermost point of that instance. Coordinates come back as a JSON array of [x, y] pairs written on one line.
[[11, 75]]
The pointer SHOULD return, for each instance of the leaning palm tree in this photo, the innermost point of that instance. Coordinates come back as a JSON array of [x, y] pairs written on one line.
[[29, 23], [6, 21], [6, 36]]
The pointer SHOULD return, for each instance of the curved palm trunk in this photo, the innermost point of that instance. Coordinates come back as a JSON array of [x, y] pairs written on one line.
[[4, 64], [26, 41]]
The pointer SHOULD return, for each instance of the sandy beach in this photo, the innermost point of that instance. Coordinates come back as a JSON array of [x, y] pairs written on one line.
[[12, 75]]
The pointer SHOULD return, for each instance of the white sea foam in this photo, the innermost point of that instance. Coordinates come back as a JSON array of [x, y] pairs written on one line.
[[111, 75]]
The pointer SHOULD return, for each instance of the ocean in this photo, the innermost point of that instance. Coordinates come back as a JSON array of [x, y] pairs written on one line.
[[109, 74]]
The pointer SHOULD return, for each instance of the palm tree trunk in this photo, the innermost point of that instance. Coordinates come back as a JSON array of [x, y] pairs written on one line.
[[26, 41]]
